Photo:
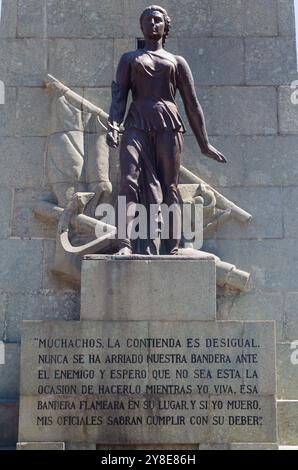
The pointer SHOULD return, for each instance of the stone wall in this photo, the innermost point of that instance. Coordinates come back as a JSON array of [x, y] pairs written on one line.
[[242, 53]]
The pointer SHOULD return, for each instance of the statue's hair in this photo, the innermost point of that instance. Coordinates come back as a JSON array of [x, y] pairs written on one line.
[[167, 19]]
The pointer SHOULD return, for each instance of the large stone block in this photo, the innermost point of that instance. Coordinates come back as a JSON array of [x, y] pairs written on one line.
[[265, 205], [103, 19], [8, 22], [270, 160], [270, 61], [233, 147], [23, 61], [10, 372], [32, 18], [41, 306], [244, 17], [64, 18], [196, 23], [26, 161], [272, 263], [286, 17], [289, 200], [223, 108], [291, 316], [138, 289], [8, 112], [287, 373], [15, 273], [287, 418], [254, 306], [32, 112], [209, 62], [196, 421], [83, 62], [24, 222], [9, 414], [288, 110], [5, 213]]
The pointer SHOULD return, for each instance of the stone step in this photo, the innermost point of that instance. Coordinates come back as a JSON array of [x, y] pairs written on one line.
[[288, 448], [287, 420]]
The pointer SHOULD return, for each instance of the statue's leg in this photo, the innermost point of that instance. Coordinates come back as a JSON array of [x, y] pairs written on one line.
[[130, 149], [168, 155]]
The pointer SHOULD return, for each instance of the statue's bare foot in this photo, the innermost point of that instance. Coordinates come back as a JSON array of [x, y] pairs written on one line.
[[125, 251]]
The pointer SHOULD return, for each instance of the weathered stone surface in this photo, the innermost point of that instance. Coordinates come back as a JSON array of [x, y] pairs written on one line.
[[197, 22], [223, 107], [287, 373], [277, 153], [8, 22], [5, 213], [26, 161], [209, 62], [82, 62], [291, 316], [289, 199], [32, 112], [249, 160], [105, 293], [50, 280], [265, 204], [64, 18], [103, 19], [15, 273], [212, 447], [23, 61], [260, 259], [3, 303], [270, 61], [244, 18], [9, 413], [80, 446], [287, 418], [288, 110], [255, 446], [254, 306], [24, 223], [8, 113], [40, 446], [39, 306], [9, 372], [32, 18], [286, 17], [33, 347]]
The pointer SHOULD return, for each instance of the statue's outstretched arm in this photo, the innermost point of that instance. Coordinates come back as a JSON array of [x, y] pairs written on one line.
[[194, 110]]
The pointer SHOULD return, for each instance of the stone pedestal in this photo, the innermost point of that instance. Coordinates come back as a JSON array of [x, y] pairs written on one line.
[[148, 364]]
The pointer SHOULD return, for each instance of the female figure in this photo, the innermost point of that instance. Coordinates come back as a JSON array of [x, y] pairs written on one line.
[[152, 142]]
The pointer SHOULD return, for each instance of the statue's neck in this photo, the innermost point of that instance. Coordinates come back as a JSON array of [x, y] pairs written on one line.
[[153, 45]]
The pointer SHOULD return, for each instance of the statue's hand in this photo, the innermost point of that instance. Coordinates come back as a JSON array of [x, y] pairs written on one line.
[[113, 138], [211, 152]]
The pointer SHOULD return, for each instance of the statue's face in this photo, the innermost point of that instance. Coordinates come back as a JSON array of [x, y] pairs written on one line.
[[153, 25]]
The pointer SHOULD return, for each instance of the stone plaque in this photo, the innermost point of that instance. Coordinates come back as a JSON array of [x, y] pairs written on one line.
[[148, 382]]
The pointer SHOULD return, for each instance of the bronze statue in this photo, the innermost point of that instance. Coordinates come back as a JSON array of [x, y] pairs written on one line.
[[152, 141]]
